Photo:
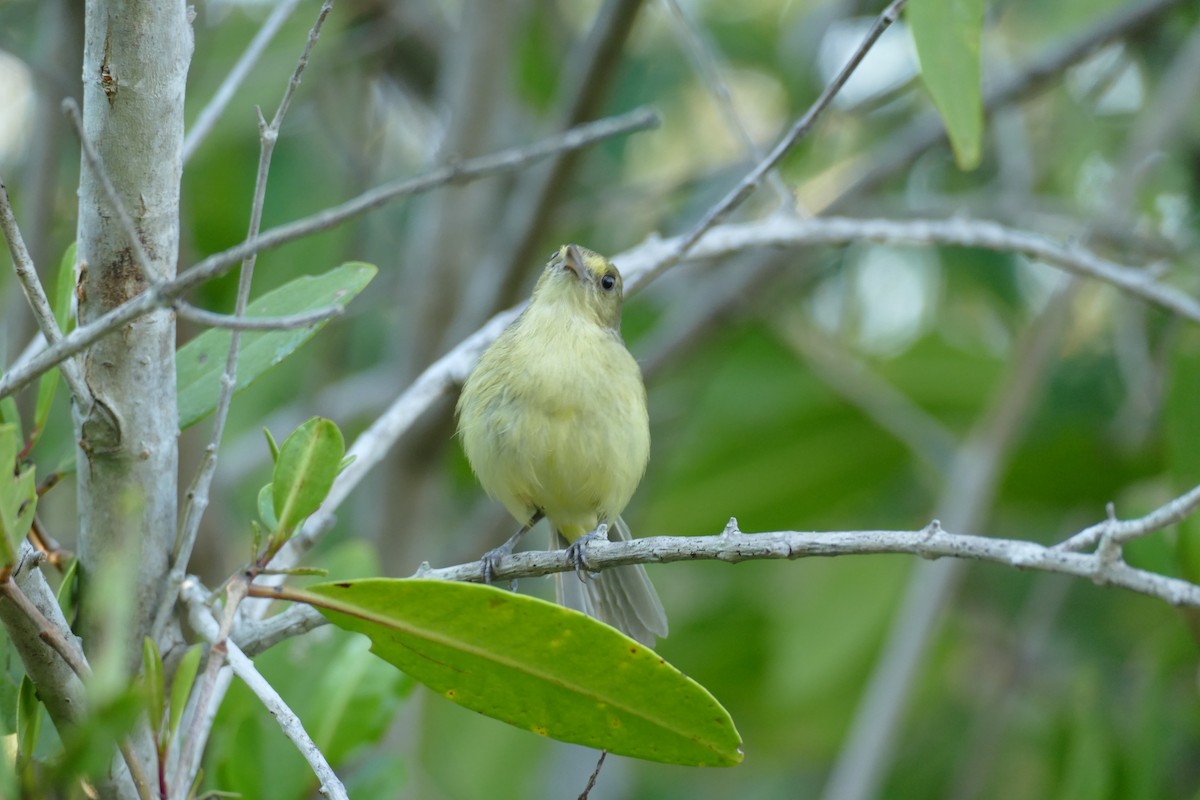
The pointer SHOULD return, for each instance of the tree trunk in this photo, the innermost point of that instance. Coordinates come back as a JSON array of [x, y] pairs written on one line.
[[136, 56]]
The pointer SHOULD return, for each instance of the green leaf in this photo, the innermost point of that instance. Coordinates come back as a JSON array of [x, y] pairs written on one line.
[[64, 285], [1182, 424], [271, 444], [181, 686], [537, 666], [18, 495], [200, 363], [152, 676], [9, 413], [946, 33], [308, 462], [68, 591], [266, 508], [28, 721]]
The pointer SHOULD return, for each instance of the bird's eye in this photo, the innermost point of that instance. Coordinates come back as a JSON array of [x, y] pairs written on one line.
[[608, 283]]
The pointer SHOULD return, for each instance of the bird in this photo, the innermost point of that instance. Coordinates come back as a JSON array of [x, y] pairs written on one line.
[[553, 421]]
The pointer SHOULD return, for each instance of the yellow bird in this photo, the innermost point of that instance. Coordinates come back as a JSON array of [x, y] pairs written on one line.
[[553, 420]]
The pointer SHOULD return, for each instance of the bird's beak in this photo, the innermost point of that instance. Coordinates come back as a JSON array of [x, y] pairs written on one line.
[[573, 262]]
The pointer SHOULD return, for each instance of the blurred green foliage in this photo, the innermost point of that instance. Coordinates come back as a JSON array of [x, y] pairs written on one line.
[[1034, 687]]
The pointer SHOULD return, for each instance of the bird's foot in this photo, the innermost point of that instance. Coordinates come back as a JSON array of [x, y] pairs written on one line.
[[491, 562], [577, 550]]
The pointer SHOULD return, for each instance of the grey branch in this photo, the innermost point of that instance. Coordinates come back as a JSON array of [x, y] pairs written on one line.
[[35, 295], [239, 323], [733, 546], [1104, 566], [164, 293], [201, 618]]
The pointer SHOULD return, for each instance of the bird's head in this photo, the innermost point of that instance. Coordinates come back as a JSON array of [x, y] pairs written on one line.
[[586, 281]]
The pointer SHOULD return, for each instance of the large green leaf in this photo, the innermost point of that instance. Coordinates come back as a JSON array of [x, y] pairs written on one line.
[[200, 363], [536, 665], [946, 33]]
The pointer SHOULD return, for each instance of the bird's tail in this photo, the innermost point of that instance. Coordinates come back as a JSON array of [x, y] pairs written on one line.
[[622, 596]]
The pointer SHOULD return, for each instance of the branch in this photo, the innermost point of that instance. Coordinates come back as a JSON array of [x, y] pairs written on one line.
[[35, 295], [255, 636], [1103, 567], [734, 546], [164, 293], [1122, 531], [240, 323], [197, 496], [202, 620]]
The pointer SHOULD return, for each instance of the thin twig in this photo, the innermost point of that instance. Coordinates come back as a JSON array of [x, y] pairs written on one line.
[[1123, 531], [140, 257], [35, 295], [198, 492], [591, 784], [798, 131], [780, 231], [201, 618], [255, 636], [234, 322], [219, 263], [195, 739], [208, 117]]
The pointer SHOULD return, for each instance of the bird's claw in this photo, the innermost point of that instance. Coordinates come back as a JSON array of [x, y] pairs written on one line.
[[577, 551], [491, 562]]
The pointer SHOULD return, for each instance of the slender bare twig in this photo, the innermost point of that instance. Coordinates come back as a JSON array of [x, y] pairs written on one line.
[[163, 293], [1123, 531], [798, 131], [194, 740], [198, 492], [208, 117], [201, 618], [255, 636], [35, 295], [140, 257], [965, 502], [238, 323]]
